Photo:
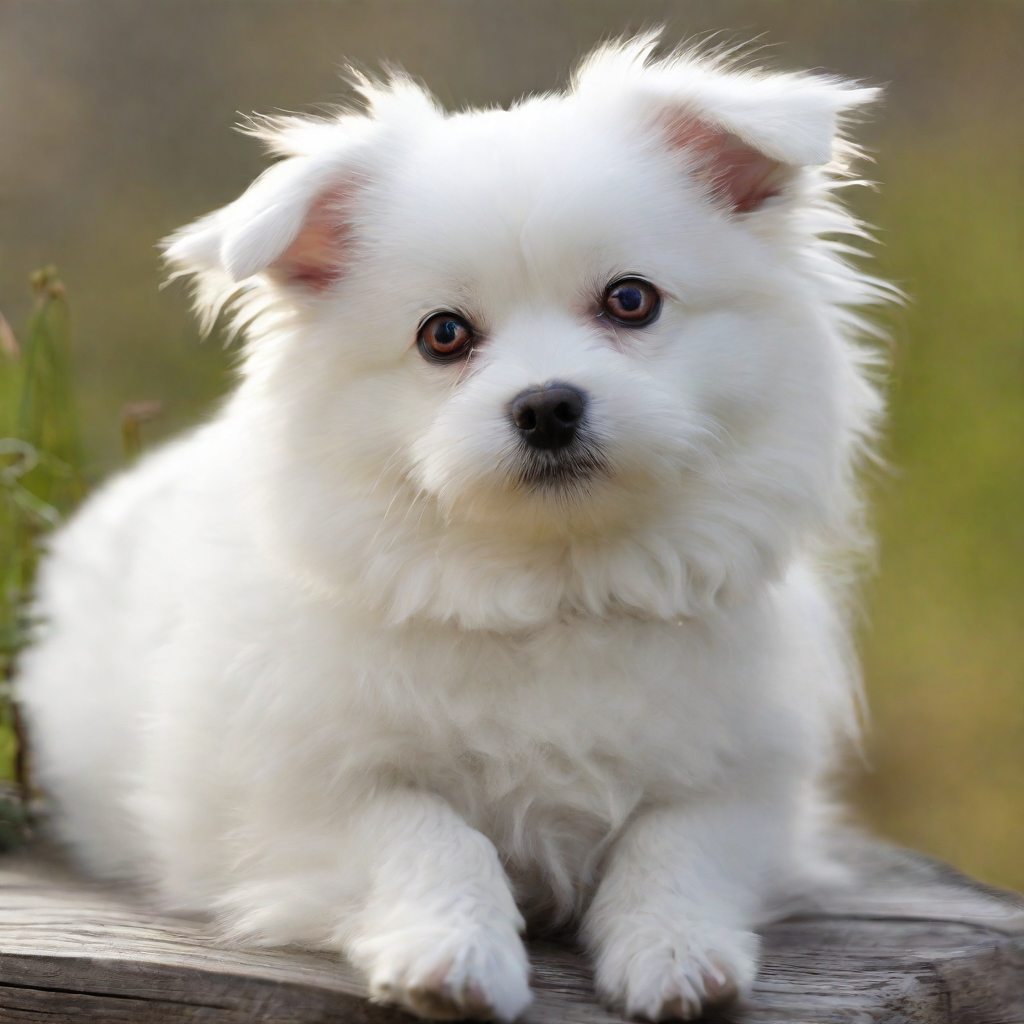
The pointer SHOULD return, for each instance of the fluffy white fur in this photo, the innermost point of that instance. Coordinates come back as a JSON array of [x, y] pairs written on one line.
[[329, 668]]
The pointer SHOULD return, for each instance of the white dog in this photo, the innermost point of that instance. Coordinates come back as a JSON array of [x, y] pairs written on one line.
[[494, 593]]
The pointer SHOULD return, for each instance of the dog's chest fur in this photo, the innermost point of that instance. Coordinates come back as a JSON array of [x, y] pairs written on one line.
[[550, 742]]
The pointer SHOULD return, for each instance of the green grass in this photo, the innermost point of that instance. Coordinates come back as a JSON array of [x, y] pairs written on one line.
[[41, 481]]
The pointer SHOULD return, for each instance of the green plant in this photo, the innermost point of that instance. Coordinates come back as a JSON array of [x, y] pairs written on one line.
[[41, 481]]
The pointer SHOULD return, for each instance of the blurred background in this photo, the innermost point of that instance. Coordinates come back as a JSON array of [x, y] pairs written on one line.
[[116, 127]]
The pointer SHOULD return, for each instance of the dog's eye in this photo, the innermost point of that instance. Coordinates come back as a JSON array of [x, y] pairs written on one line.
[[445, 337], [632, 302]]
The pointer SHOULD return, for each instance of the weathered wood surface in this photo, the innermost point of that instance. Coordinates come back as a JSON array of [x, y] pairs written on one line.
[[910, 941]]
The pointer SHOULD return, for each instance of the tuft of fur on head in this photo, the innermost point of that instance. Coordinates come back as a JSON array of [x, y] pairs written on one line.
[[719, 442]]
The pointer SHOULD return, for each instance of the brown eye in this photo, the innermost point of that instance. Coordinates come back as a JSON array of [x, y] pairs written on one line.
[[445, 337], [632, 302]]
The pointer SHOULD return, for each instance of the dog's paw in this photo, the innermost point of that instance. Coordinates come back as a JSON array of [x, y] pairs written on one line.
[[658, 975], [475, 972]]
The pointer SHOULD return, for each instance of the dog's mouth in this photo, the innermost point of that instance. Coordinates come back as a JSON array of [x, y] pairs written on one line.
[[561, 468]]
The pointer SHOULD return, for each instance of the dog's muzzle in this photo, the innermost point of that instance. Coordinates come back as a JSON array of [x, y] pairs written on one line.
[[550, 422]]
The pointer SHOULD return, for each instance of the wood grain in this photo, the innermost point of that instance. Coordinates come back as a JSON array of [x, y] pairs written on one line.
[[906, 940]]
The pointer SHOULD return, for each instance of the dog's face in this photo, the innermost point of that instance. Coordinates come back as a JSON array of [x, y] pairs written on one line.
[[590, 342], [548, 324]]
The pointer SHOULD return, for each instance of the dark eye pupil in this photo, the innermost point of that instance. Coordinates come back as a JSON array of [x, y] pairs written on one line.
[[446, 332], [630, 299]]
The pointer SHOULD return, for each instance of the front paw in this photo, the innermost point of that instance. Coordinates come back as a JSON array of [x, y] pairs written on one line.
[[657, 974], [473, 972]]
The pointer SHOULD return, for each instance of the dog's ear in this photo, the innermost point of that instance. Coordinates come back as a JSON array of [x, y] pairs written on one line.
[[739, 175], [746, 136], [744, 133], [294, 223]]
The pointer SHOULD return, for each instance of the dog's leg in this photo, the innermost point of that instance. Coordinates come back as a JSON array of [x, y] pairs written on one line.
[[410, 893], [439, 932], [671, 924]]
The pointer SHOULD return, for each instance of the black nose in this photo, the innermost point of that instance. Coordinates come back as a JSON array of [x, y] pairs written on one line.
[[548, 417]]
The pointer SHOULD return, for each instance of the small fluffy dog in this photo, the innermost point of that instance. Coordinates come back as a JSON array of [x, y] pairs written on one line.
[[494, 593]]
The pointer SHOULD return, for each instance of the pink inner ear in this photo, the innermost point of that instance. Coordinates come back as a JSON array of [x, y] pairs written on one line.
[[317, 257], [742, 175]]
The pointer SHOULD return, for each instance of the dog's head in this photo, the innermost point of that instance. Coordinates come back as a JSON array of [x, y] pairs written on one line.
[[589, 353]]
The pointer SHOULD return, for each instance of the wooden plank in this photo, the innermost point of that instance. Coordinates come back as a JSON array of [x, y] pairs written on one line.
[[907, 940]]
